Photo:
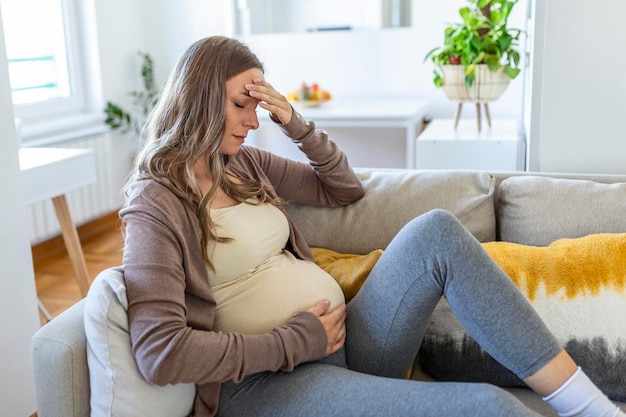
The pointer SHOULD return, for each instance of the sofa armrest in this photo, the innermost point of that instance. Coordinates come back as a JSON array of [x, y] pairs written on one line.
[[59, 359]]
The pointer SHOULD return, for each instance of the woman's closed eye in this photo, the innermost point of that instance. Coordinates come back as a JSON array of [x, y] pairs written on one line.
[[247, 104]]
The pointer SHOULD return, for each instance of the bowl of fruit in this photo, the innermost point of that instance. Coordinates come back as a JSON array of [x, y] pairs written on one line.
[[309, 96]]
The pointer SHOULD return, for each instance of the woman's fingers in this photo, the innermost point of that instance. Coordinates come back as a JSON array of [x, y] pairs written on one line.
[[335, 325], [270, 100], [320, 308]]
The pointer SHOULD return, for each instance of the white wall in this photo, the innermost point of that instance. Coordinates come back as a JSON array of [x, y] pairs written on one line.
[[170, 26], [578, 89], [19, 318], [120, 36]]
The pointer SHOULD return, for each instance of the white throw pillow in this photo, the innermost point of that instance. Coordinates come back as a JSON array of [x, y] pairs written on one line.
[[117, 387]]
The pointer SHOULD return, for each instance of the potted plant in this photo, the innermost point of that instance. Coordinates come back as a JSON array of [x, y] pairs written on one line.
[[479, 55], [144, 100]]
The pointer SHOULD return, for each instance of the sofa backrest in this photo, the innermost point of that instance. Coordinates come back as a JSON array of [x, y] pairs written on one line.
[[393, 197], [531, 208]]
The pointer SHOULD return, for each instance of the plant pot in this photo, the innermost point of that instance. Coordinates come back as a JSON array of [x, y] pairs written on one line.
[[455, 60], [488, 85]]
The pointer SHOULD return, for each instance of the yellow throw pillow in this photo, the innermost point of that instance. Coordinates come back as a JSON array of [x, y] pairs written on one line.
[[349, 270], [567, 268], [578, 288]]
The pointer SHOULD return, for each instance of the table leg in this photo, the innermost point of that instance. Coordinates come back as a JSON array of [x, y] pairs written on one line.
[[44, 310], [487, 115], [457, 116], [72, 243], [478, 116]]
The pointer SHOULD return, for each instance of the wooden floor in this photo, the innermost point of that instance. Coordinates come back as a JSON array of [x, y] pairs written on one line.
[[56, 284]]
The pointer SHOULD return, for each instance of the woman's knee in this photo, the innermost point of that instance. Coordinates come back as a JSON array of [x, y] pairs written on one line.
[[499, 401], [434, 219], [435, 225]]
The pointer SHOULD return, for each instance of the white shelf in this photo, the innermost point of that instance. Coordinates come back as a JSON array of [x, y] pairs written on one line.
[[49, 172], [495, 148]]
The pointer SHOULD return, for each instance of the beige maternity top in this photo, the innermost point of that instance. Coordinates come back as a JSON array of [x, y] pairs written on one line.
[[258, 284]]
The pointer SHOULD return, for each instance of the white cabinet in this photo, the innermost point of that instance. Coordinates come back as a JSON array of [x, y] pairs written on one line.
[[495, 148]]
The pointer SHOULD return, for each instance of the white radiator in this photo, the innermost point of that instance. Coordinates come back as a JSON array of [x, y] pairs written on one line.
[[113, 156]]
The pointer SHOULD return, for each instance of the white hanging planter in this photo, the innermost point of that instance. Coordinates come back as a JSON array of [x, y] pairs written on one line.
[[488, 85]]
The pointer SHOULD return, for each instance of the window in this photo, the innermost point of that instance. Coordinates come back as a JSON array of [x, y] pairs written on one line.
[[45, 55], [36, 50]]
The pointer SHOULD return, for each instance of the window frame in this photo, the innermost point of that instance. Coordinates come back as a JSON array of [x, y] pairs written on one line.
[[60, 119]]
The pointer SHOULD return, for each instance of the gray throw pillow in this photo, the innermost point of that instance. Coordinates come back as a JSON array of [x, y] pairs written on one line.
[[537, 210]]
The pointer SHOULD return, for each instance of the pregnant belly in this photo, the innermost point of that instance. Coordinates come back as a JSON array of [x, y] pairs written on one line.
[[270, 296]]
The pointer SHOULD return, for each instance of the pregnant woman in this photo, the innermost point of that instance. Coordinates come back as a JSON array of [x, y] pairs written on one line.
[[223, 293]]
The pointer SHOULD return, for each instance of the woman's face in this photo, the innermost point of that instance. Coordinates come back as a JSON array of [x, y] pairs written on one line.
[[240, 111]]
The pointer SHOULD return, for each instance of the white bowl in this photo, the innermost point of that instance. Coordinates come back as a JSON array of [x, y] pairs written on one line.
[[308, 103]]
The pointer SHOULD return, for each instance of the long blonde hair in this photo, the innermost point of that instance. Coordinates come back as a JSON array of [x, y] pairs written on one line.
[[188, 123]]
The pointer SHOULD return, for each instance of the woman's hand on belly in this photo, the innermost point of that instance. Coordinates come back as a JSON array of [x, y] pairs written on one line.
[[334, 322]]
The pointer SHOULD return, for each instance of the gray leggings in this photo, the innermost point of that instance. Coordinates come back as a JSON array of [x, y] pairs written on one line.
[[433, 255]]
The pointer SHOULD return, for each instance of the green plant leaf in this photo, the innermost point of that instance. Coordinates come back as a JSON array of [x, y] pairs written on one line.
[[465, 13], [470, 75], [117, 118], [504, 41], [514, 58], [511, 72], [477, 43], [438, 80], [493, 62], [431, 53]]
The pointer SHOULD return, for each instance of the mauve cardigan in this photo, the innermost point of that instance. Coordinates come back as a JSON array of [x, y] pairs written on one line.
[[171, 305]]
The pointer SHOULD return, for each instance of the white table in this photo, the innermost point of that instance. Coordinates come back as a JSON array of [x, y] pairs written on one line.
[[441, 146], [378, 113], [49, 173]]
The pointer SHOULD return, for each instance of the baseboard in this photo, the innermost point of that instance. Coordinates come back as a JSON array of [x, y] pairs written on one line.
[[56, 247]]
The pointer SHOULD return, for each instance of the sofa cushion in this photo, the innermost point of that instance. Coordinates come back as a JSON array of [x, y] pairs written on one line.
[[578, 287], [349, 270], [392, 199], [117, 387], [536, 210]]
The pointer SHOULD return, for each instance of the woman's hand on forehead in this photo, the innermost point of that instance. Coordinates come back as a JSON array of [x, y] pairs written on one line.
[[270, 100]]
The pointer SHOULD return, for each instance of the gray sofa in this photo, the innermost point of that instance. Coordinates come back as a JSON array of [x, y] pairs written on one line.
[[526, 208]]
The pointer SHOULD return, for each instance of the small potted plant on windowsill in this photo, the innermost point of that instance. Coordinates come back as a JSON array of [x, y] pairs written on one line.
[[479, 56]]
